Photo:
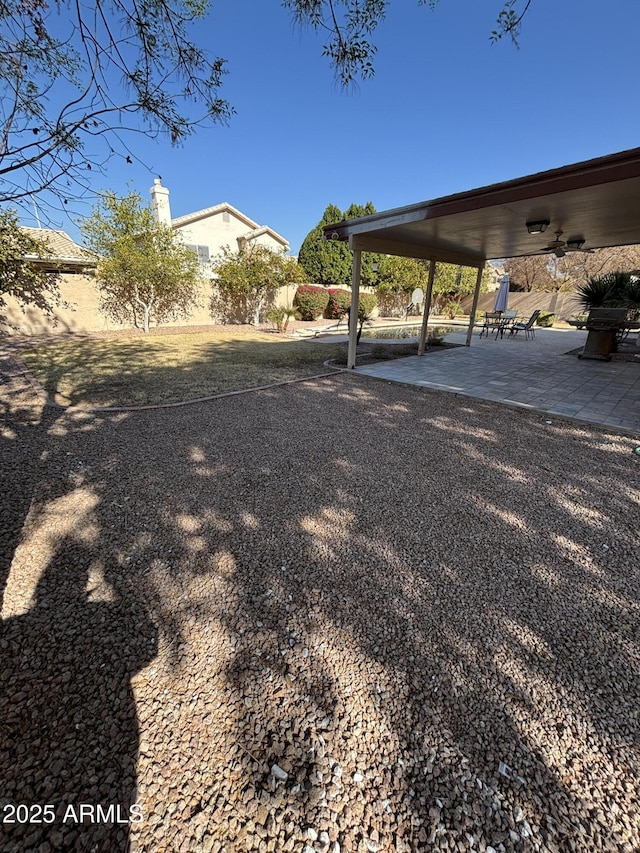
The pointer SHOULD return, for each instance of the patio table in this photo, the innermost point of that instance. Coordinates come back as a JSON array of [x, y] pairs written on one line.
[[498, 322]]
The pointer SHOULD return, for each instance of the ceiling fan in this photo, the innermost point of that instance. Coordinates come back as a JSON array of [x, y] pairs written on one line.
[[560, 247]]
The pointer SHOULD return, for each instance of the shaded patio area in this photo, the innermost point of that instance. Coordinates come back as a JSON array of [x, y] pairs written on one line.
[[592, 203], [535, 374]]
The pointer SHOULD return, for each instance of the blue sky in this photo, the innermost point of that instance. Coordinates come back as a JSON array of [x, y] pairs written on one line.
[[446, 111]]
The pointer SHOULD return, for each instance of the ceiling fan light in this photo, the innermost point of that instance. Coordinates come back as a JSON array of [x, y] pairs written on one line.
[[537, 227], [576, 244]]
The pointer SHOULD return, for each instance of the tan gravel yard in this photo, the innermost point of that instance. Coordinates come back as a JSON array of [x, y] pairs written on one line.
[[380, 592]]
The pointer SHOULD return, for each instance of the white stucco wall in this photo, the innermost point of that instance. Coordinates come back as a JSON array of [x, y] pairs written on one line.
[[268, 241], [214, 232]]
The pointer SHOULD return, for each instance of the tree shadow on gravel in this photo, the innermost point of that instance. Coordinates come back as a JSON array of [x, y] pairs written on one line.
[[465, 616], [384, 592], [69, 725], [24, 423]]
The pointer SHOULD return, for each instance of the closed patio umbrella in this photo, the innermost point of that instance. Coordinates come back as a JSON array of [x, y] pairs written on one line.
[[502, 296]]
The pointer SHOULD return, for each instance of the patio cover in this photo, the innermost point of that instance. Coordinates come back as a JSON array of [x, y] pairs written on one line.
[[597, 201]]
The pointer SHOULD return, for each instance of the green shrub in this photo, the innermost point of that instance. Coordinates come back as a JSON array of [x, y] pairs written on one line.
[[546, 319], [368, 303], [436, 335], [311, 301], [338, 305], [280, 317], [632, 298], [612, 290], [452, 309], [604, 291]]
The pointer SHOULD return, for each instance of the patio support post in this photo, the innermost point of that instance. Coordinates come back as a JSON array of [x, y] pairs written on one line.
[[474, 306], [427, 308], [353, 311]]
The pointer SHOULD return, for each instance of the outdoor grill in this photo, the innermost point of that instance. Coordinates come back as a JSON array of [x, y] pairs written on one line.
[[604, 326]]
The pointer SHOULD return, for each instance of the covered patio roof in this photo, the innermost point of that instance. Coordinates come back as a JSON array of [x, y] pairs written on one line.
[[596, 201]]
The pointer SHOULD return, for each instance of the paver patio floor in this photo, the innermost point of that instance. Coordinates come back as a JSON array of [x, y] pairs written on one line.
[[535, 374]]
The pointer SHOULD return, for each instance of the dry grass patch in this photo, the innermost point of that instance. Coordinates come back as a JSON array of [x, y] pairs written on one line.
[[171, 368]]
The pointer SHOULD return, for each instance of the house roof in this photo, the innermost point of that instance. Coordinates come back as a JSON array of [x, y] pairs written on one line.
[[211, 211], [595, 200], [264, 229], [225, 207], [62, 247]]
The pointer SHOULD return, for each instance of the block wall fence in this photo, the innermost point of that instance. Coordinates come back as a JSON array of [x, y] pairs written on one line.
[[83, 314]]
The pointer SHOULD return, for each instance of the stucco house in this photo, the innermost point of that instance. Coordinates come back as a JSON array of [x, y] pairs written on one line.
[[207, 231]]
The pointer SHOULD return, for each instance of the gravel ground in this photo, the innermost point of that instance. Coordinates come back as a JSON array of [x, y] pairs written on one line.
[[340, 615]]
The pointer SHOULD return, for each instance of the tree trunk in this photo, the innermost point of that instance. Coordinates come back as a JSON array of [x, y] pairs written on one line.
[[256, 316], [146, 309]]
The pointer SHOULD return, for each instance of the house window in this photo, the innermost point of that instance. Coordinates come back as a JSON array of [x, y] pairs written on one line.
[[225, 216], [202, 252]]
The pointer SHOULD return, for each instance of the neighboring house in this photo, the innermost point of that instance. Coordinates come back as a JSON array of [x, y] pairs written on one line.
[[208, 231], [66, 256], [77, 289]]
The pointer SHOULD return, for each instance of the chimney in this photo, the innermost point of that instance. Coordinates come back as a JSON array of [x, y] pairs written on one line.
[[160, 199]]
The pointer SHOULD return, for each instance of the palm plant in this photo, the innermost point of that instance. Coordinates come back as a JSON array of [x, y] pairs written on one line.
[[611, 290]]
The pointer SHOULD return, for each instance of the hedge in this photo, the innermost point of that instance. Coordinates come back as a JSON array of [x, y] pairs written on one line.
[[368, 303], [339, 303], [311, 301], [546, 319]]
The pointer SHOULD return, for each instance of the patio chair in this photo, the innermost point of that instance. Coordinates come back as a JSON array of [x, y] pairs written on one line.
[[492, 323], [509, 318], [527, 328]]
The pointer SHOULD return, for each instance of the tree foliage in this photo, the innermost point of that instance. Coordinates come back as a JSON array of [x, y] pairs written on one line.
[[578, 267], [76, 78], [21, 277], [456, 281], [145, 272], [529, 273], [326, 261], [400, 275], [252, 275], [348, 26], [329, 262], [549, 273]]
